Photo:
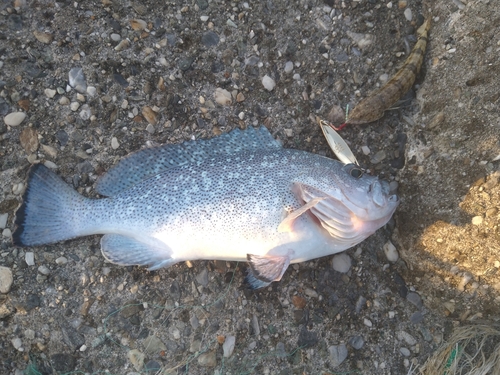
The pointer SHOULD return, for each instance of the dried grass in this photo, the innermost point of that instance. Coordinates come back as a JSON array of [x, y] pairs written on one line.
[[471, 350]]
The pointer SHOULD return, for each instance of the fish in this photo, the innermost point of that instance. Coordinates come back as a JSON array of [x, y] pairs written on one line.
[[373, 107], [240, 196]]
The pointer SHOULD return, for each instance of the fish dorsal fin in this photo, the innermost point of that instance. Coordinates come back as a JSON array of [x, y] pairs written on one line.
[[152, 161]]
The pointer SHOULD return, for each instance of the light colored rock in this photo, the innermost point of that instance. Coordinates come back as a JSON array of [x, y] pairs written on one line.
[[74, 106], [44, 270], [138, 24], [391, 252], [17, 344], [150, 115], [207, 359], [288, 67], [338, 354], [408, 14], [6, 279], [7, 233], [29, 258], [61, 260], [136, 358], [14, 118], [477, 220], [222, 96], [50, 93], [3, 220], [341, 262], [362, 40], [45, 38], [406, 337], [114, 143], [153, 345], [228, 346], [268, 83]]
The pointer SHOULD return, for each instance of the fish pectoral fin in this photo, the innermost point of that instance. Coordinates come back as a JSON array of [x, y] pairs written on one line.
[[286, 224], [127, 251], [268, 268]]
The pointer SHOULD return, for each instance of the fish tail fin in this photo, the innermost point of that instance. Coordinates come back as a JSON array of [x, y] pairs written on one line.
[[48, 211]]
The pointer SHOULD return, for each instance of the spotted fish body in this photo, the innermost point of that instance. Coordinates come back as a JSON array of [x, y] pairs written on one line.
[[240, 196]]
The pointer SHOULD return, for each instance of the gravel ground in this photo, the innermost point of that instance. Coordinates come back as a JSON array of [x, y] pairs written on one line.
[[93, 81]]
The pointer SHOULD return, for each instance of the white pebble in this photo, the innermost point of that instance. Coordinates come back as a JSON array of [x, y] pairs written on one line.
[[477, 220], [408, 14], [50, 93], [17, 344], [391, 252], [50, 164], [91, 90], [83, 348], [3, 220], [64, 101], [115, 37], [80, 98], [114, 143], [150, 128], [341, 262], [367, 322], [204, 18], [74, 106], [241, 115], [384, 77], [288, 67], [268, 83], [29, 258], [85, 113], [222, 96], [365, 150], [405, 352], [44, 270], [6, 279], [14, 118], [228, 346], [296, 77], [7, 233], [61, 260]]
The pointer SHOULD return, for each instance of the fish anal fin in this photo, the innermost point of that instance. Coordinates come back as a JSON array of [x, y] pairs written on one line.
[[268, 268], [128, 251], [286, 224]]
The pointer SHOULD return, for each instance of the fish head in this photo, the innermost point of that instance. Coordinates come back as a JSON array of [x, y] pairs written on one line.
[[349, 203], [367, 196]]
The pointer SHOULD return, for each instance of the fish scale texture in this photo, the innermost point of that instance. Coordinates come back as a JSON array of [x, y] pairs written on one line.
[[152, 161], [217, 199]]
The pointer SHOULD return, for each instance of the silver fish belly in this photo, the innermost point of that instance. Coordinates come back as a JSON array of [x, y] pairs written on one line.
[[240, 196]]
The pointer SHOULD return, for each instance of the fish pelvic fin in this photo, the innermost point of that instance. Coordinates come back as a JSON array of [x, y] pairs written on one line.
[[286, 224], [265, 269], [49, 209], [128, 251]]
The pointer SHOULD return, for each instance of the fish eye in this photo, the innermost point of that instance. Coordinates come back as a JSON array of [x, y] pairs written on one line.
[[356, 172]]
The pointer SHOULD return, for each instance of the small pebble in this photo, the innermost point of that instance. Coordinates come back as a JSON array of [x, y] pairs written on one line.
[[390, 252], [222, 96], [3, 220], [365, 150], [74, 106], [85, 113], [356, 342], [29, 258], [17, 344], [44, 270], [6, 233], [367, 322], [268, 83], [45, 38], [61, 260], [14, 118], [136, 358], [123, 45], [341, 262], [406, 337], [477, 220], [288, 67], [64, 100], [415, 299], [207, 359], [114, 143], [228, 346], [6, 279], [408, 14], [77, 80], [338, 353], [378, 157], [91, 90], [50, 93], [115, 37], [405, 352]]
